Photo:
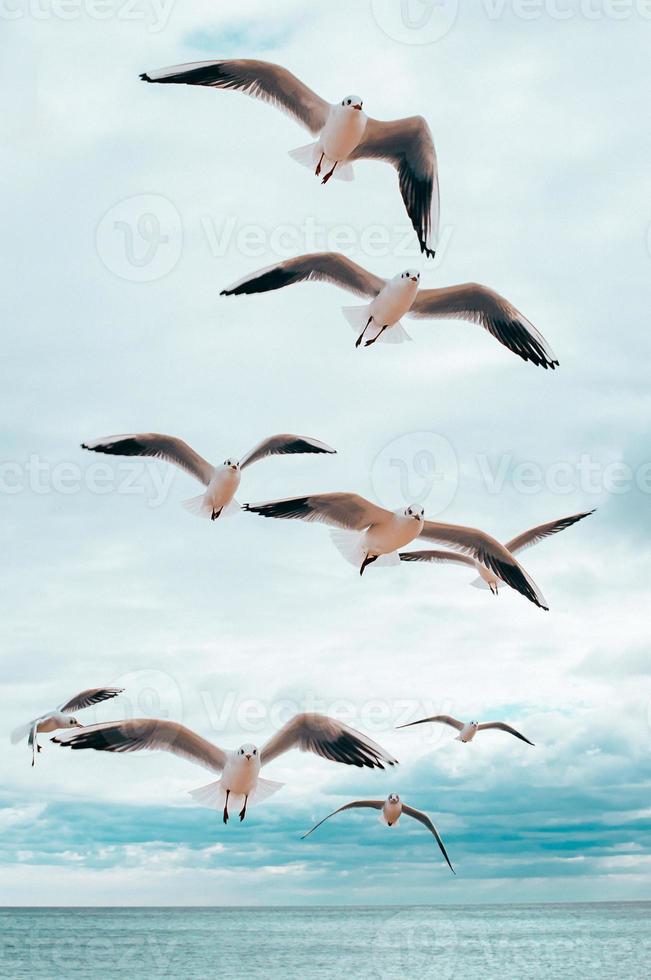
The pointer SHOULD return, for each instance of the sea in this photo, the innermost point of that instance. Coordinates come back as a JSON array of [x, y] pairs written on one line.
[[509, 942]]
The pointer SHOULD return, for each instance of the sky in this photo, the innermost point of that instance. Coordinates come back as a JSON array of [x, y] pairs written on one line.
[[127, 208]]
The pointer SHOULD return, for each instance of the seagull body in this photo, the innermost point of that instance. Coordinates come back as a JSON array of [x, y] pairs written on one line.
[[221, 482], [390, 811], [239, 770], [392, 299], [487, 576], [468, 730], [62, 717], [343, 131], [368, 533]]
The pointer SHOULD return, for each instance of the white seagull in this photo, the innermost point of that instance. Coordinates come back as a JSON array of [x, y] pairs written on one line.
[[488, 578], [221, 482], [368, 533], [468, 730], [240, 770], [391, 299], [62, 716], [344, 132], [391, 810]]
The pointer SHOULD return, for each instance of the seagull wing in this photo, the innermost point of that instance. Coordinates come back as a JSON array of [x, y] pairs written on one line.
[[426, 822], [371, 804], [437, 556], [344, 510], [536, 534], [260, 79], [146, 733], [443, 719], [488, 309], [407, 144], [328, 738], [503, 727], [92, 696], [159, 446], [485, 549], [329, 267], [283, 445]]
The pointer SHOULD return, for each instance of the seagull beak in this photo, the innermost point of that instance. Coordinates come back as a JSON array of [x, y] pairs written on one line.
[[248, 756], [359, 107], [414, 278]]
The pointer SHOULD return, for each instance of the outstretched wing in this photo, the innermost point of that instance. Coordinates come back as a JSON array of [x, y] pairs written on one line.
[[408, 145], [437, 556], [426, 822], [260, 79], [528, 538], [328, 738], [488, 309], [283, 445], [92, 696], [345, 510], [503, 727], [370, 804], [489, 552], [443, 719], [159, 446], [329, 267], [146, 733]]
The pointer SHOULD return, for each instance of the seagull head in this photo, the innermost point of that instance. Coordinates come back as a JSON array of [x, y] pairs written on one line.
[[352, 102], [73, 723], [416, 512], [248, 752], [231, 464], [393, 798], [410, 276]]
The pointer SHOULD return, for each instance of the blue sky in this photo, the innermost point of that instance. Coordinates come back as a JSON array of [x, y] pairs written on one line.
[[116, 325]]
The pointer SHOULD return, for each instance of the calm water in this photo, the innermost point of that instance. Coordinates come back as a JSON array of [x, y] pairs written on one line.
[[506, 942]]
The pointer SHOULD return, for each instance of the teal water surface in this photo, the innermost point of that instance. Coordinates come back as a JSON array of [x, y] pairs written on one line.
[[510, 942]]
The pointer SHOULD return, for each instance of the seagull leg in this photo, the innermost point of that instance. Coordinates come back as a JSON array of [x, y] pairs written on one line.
[[361, 336], [243, 810], [367, 561], [228, 793], [215, 514], [330, 173], [318, 166], [369, 342]]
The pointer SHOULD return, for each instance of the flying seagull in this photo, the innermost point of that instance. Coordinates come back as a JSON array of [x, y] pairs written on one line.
[[391, 299], [240, 770], [344, 132], [221, 482], [488, 578], [467, 731], [366, 533], [391, 810], [62, 717]]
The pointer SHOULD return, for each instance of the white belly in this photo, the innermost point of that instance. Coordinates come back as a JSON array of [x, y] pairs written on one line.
[[392, 303], [391, 813], [342, 133], [51, 723], [391, 536], [222, 488], [467, 733], [240, 778]]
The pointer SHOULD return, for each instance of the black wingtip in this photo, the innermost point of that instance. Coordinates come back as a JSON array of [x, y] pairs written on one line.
[[226, 292], [144, 77]]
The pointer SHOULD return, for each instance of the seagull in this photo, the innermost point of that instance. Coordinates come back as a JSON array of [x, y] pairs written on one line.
[[391, 299], [367, 533], [240, 770], [391, 810], [62, 716], [221, 482], [468, 730], [488, 578], [344, 132]]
